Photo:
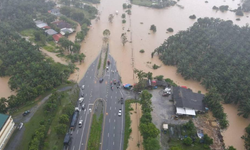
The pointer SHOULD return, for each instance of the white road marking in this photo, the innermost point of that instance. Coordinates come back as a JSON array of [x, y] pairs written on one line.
[[114, 120], [121, 132], [84, 111], [114, 127], [77, 132], [73, 147], [113, 143], [109, 120], [115, 108], [86, 94], [113, 135], [83, 128], [108, 134], [110, 107], [90, 77]]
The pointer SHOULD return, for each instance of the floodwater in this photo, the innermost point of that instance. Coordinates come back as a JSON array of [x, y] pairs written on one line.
[[4, 86], [128, 57]]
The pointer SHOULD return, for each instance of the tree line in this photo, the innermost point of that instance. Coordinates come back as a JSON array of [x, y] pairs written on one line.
[[215, 53]]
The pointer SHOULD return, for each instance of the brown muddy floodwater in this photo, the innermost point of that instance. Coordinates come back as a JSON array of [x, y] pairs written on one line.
[[5, 91]]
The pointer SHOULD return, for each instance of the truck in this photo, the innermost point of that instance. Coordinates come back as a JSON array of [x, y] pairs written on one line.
[[66, 141], [74, 120]]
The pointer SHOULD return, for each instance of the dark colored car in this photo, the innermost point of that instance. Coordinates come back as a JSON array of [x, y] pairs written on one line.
[[101, 80], [122, 100], [26, 112]]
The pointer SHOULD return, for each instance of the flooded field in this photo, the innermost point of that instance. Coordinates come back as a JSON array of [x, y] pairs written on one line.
[[4, 86], [139, 36]]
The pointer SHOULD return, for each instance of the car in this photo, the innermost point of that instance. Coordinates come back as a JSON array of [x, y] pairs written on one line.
[[83, 87], [122, 100], [20, 126], [81, 99], [120, 112], [114, 81], [101, 80], [83, 106], [26, 112], [80, 124], [77, 109]]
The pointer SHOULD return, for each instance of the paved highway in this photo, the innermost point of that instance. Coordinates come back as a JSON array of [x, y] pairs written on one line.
[[113, 125]]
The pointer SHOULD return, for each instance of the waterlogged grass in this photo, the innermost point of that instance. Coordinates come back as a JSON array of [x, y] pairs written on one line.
[[28, 32], [95, 133], [178, 143], [127, 129]]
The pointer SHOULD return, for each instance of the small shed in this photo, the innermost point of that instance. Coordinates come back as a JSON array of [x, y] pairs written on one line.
[[50, 32]]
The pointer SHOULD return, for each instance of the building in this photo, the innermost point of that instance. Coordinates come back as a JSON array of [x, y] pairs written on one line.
[[187, 102], [50, 32], [55, 11], [57, 37], [40, 24], [62, 24], [66, 30], [6, 129]]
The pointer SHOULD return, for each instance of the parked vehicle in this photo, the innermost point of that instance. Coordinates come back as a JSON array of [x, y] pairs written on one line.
[[83, 87], [26, 112], [77, 109], [122, 100], [101, 80]]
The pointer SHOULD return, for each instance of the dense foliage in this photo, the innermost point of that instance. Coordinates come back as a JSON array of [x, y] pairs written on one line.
[[31, 73], [147, 128], [246, 6], [215, 53], [246, 137], [19, 14]]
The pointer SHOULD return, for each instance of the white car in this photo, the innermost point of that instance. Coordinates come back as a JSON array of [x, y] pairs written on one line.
[[83, 87], [80, 124], [20, 126], [120, 112], [81, 100]]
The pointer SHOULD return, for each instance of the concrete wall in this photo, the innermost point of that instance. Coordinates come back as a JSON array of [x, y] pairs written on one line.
[[6, 132]]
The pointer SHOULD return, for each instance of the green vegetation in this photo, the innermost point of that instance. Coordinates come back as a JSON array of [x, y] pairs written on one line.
[[171, 82], [49, 48], [192, 17], [124, 6], [36, 135], [246, 137], [239, 12], [160, 77], [95, 132], [220, 59], [213, 100], [190, 141], [170, 30], [127, 128], [153, 28], [123, 21], [105, 59], [156, 66], [123, 16], [149, 3], [147, 128], [246, 6], [100, 62], [221, 8], [142, 51]]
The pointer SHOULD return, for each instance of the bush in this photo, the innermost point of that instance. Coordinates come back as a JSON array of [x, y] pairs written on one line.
[[215, 8], [187, 141], [129, 6], [160, 77], [170, 30], [223, 8], [155, 66], [153, 28], [192, 17], [239, 12], [123, 16], [125, 6], [123, 21], [171, 82], [142, 51]]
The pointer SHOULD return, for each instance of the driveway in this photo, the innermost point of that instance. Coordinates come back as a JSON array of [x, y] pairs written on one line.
[[17, 135]]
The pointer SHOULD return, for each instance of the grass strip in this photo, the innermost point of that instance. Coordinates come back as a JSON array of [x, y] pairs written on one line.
[[105, 60], [95, 133], [100, 61], [127, 129]]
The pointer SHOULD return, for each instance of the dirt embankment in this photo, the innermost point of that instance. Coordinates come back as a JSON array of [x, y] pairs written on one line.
[[135, 140]]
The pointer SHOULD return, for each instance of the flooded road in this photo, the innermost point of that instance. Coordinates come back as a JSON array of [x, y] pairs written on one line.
[[140, 37]]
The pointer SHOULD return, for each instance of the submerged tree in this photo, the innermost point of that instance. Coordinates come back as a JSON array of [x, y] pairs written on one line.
[[111, 17], [124, 38]]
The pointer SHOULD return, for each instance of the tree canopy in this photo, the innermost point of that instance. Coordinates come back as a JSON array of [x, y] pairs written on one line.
[[215, 53]]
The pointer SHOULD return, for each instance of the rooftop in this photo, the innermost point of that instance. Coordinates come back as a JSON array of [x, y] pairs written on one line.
[[185, 98], [3, 119]]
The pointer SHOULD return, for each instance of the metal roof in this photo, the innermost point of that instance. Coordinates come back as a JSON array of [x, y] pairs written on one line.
[[3, 119]]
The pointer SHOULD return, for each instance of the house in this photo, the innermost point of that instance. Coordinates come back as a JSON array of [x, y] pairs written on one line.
[[50, 32], [66, 30], [6, 129], [55, 11], [57, 37], [62, 24], [187, 102], [40, 24]]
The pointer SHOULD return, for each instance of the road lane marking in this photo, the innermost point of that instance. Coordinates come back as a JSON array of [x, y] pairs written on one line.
[[113, 143], [90, 77], [110, 107], [114, 127], [109, 120], [77, 131], [108, 134], [113, 135], [121, 131], [73, 147], [114, 120], [83, 128], [111, 97], [115, 108]]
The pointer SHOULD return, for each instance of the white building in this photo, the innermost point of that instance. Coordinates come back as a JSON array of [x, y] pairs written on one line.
[[6, 129]]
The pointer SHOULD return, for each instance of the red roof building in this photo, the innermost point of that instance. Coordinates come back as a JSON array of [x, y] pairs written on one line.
[[46, 27], [56, 37]]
